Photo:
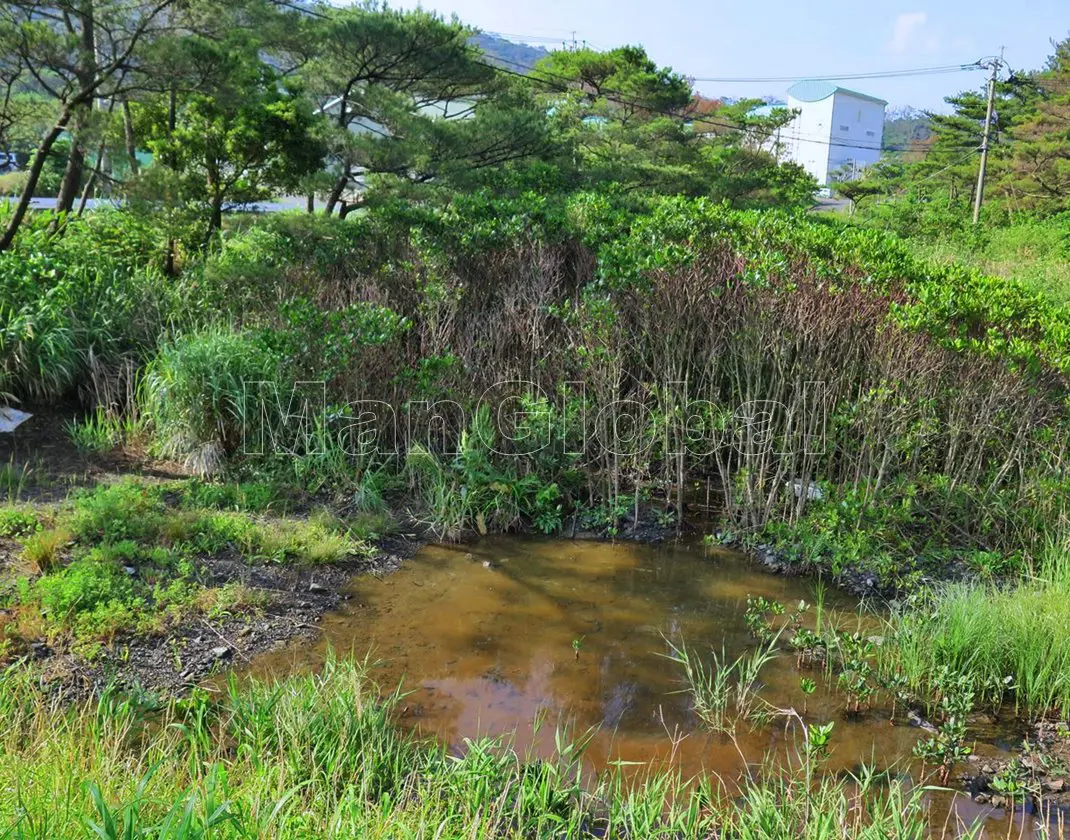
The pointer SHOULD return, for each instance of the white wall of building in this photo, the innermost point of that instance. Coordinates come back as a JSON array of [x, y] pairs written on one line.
[[857, 130], [835, 129], [804, 139]]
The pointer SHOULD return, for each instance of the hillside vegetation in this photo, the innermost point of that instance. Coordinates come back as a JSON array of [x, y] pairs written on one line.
[[926, 193], [582, 302], [748, 351]]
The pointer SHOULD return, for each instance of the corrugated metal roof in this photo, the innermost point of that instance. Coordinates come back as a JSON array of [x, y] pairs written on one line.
[[814, 90]]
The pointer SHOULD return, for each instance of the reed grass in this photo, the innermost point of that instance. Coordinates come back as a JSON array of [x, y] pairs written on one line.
[[1012, 642], [319, 756]]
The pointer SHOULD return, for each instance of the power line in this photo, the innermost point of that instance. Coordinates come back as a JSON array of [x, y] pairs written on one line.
[[566, 84], [527, 39], [877, 74], [570, 36]]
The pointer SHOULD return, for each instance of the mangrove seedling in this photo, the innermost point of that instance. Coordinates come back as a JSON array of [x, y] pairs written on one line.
[[576, 645], [899, 690], [818, 738], [994, 689], [948, 746], [855, 678], [809, 648], [808, 687], [856, 685], [1013, 781], [758, 615]]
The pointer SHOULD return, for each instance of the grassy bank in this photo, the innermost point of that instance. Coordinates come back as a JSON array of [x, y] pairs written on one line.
[[137, 558], [1010, 642], [319, 757], [1035, 254]]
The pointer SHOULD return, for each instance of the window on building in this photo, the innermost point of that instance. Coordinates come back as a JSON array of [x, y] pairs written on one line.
[[845, 128], [871, 134]]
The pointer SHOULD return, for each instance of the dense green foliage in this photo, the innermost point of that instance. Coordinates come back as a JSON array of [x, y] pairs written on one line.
[[78, 303], [941, 416], [575, 300], [239, 101], [318, 756]]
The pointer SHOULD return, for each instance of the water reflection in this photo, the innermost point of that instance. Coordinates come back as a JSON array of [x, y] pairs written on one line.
[[492, 638]]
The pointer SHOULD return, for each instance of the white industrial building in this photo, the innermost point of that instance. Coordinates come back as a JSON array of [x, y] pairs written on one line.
[[836, 133]]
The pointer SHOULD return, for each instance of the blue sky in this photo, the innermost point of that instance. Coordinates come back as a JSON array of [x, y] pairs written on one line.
[[800, 38]]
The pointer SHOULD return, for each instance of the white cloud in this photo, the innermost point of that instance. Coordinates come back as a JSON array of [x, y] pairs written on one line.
[[907, 29]]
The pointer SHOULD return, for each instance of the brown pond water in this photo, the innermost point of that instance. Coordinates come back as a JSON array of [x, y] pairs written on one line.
[[482, 636]]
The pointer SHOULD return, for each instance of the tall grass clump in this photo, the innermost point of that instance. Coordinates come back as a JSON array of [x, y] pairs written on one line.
[[725, 692], [319, 756], [101, 430], [67, 300], [194, 394], [1012, 642]]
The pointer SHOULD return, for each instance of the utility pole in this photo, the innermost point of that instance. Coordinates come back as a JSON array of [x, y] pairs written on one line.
[[979, 193]]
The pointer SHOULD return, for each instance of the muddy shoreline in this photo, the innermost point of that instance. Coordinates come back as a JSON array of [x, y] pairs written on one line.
[[297, 597], [178, 660], [300, 596], [188, 654]]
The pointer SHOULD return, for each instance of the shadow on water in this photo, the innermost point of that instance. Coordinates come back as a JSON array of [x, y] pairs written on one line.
[[491, 637]]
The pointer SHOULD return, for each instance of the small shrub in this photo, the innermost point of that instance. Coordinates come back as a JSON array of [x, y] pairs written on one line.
[[110, 513], [103, 622], [87, 584], [17, 521]]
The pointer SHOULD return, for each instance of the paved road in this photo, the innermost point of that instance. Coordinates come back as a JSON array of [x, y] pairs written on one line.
[[277, 206], [285, 203], [831, 205]]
